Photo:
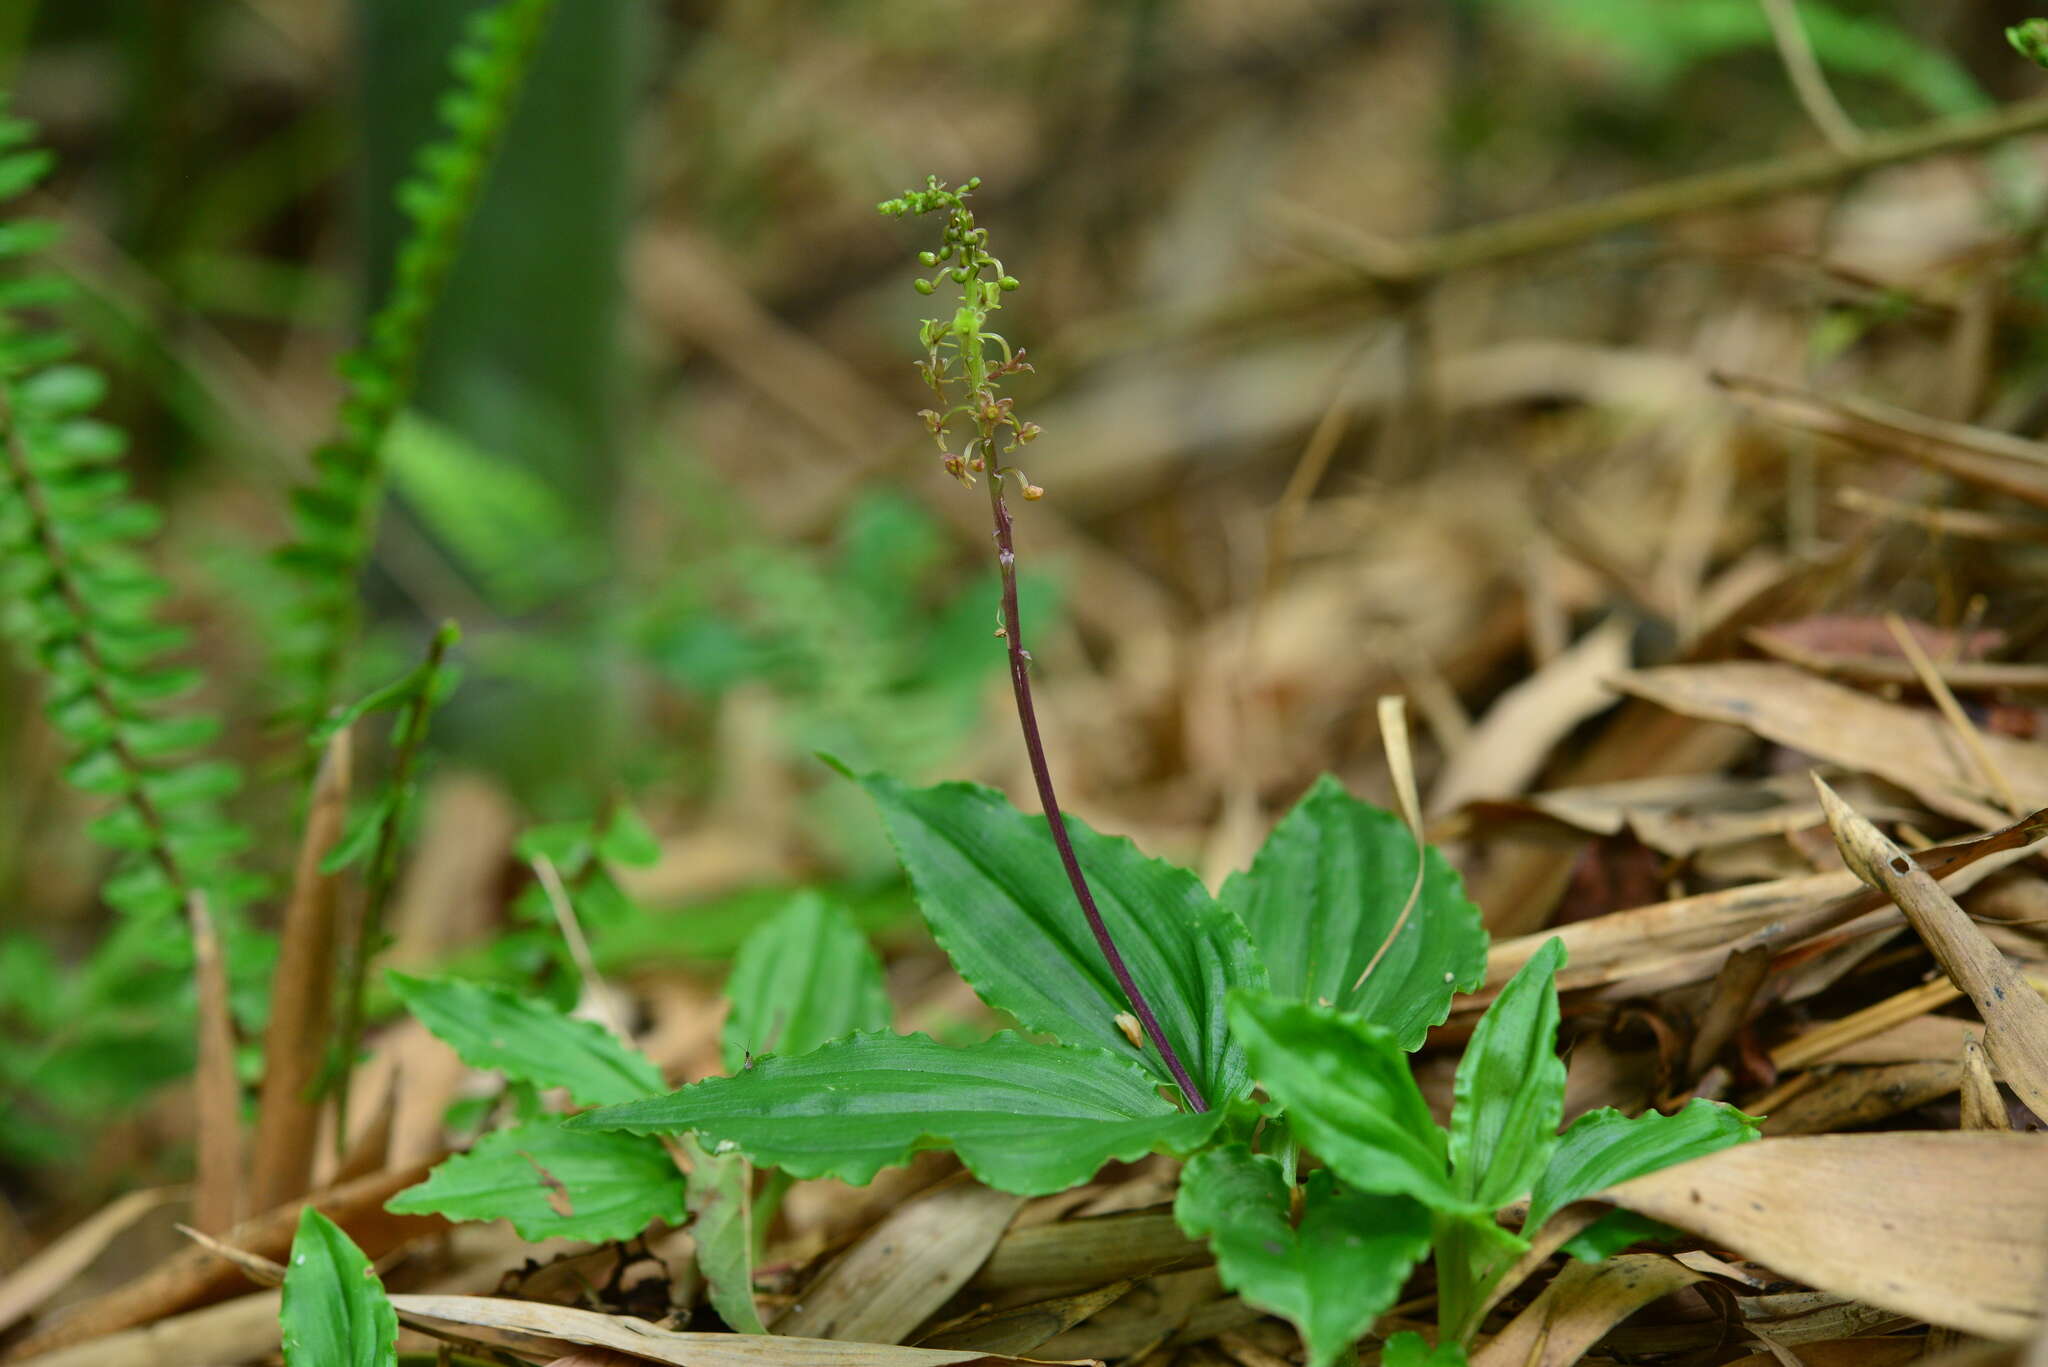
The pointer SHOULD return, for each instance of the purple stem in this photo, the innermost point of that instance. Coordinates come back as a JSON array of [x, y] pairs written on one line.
[[1027, 718]]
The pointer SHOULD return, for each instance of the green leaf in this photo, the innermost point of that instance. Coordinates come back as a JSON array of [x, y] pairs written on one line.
[[721, 1221], [990, 884], [1025, 1118], [1613, 1232], [627, 840], [1410, 1350], [1322, 896], [1346, 1088], [1509, 1094], [803, 978], [1604, 1147], [1332, 1276], [335, 1313], [359, 837], [528, 1040], [553, 1183]]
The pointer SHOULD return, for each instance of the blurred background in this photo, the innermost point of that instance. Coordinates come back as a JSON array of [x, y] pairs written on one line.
[[1305, 444]]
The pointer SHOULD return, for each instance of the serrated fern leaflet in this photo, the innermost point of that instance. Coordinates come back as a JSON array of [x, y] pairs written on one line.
[[334, 518]]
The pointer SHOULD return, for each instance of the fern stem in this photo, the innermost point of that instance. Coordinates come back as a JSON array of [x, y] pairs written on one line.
[[1041, 774], [43, 527], [383, 871]]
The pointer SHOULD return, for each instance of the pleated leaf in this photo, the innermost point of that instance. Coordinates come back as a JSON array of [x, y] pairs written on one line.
[[1325, 892], [1024, 1117], [991, 886]]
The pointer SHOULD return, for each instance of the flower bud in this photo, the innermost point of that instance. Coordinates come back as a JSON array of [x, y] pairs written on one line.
[[923, 286], [1007, 283], [927, 258], [1033, 492]]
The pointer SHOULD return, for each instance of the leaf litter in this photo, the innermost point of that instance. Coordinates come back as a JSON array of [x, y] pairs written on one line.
[[1866, 996]]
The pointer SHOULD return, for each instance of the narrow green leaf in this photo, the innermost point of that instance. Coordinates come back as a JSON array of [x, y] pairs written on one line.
[[803, 978], [1322, 896], [1604, 1147], [1332, 1276], [1025, 1118], [553, 1183], [721, 1221], [528, 1040], [359, 837], [627, 840], [1410, 1350], [1508, 1097], [334, 1313], [990, 883], [1346, 1088]]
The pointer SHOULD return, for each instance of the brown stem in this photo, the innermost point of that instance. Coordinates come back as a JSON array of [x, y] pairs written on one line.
[[1027, 718]]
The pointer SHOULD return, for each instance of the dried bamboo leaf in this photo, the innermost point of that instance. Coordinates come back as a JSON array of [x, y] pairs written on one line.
[[1849, 1097], [1024, 1327], [1950, 1228], [1909, 746], [196, 1277], [1577, 1309], [560, 1329], [1080, 1253], [2015, 1015], [905, 1268], [1983, 1107], [239, 1330], [35, 1280]]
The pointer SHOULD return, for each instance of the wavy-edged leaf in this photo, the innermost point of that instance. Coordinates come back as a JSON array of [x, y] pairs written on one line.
[[1322, 896], [990, 884], [804, 977], [1025, 1118], [554, 1183], [1604, 1147], [1508, 1097], [528, 1040], [334, 1312], [1332, 1275], [1346, 1088]]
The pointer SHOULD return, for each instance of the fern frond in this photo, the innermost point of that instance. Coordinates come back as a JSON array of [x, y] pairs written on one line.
[[334, 518], [84, 600]]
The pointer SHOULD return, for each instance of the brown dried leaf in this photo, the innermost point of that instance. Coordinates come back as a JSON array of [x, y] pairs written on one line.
[[530, 1325], [1983, 1106], [2015, 1016], [239, 1330], [1909, 746], [1080, 1253], [1024, 1327], [196, 1277], [1950, 1228], [37, 1279], [1848, 1097], [905, 1268], [1577, 1309]]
